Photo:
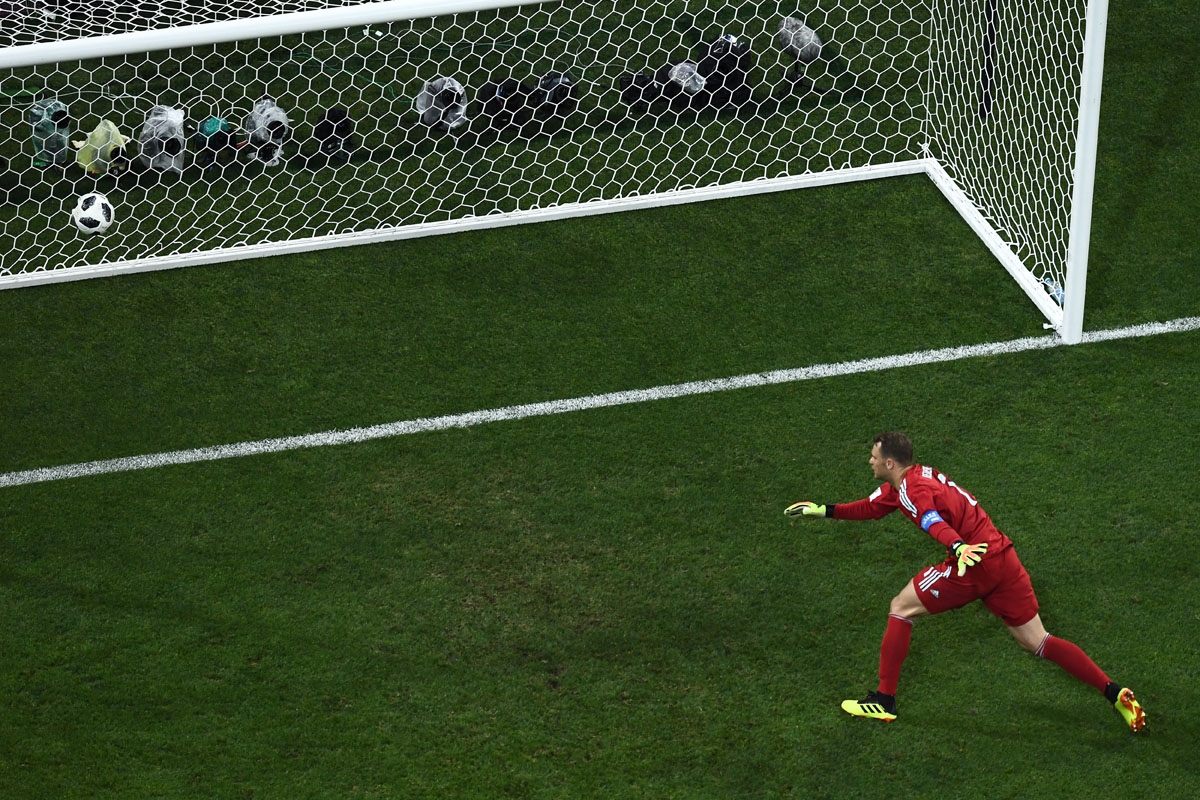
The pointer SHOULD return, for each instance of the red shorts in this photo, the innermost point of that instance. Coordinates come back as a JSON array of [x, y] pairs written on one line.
[[999, 580]]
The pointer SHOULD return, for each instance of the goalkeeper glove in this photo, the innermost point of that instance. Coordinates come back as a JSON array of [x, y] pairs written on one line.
[[968, 555], [805, 509]]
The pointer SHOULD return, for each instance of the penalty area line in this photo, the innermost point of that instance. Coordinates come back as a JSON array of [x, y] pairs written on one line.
[[517, 412]]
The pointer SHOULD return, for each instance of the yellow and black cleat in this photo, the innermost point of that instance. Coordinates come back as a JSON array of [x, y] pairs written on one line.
[[873, 706]]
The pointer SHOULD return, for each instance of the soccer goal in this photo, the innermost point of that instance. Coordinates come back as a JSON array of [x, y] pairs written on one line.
[[228, 130]]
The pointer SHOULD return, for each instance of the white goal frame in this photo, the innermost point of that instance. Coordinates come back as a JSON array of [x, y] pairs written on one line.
[[1062, 305]]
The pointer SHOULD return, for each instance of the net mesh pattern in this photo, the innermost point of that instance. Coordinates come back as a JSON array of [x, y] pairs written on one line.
[[421, 122]]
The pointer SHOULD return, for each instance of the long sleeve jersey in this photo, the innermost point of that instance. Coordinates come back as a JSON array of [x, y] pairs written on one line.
[[935, 504]]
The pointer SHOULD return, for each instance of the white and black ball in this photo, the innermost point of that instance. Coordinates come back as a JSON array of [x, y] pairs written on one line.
[[93, 213]]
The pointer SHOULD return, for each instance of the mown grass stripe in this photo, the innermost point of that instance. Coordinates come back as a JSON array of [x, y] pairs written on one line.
[[473, 418]]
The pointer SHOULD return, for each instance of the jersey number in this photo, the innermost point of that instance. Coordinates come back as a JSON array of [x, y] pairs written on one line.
[[958, 489]]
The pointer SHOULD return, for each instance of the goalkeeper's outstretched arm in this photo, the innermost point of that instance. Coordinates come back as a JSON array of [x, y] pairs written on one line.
[[873, 507]]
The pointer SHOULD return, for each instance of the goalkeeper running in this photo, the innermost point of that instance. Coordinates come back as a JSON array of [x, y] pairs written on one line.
[[981, 564]]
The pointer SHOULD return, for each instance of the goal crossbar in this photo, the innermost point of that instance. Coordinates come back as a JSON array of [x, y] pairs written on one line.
[[240, 30]]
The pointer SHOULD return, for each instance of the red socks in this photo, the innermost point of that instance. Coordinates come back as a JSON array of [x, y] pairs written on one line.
[[898, 636], [892, 652], [1073, 660]]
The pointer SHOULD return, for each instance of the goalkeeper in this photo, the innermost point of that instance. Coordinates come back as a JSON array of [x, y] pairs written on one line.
[[981, 565]]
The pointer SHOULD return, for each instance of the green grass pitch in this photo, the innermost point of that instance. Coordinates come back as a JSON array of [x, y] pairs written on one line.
[[610, 603]]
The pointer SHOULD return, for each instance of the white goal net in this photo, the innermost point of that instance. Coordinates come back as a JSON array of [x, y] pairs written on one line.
[[225, 130]]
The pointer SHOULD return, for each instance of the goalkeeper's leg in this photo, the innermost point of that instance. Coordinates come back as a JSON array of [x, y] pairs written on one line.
[[1077, 663], [881, 703], [1014, 601]]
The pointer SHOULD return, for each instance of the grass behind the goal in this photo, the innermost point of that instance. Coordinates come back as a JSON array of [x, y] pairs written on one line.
[[403, 175]]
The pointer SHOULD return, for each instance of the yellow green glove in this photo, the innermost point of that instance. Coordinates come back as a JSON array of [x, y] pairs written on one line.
[[968, 555], [805, 509]]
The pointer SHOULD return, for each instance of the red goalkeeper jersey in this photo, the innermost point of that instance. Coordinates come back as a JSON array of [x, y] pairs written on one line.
[[936, 505]]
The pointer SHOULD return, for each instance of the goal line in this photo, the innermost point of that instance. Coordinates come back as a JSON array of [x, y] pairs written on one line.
[[517, 412]]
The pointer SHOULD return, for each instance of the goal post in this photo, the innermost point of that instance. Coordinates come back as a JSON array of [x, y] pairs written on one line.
[[1013, 121], [1086, 143], [252, 129]]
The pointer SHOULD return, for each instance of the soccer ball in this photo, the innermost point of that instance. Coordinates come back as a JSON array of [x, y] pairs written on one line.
[[93, 213]]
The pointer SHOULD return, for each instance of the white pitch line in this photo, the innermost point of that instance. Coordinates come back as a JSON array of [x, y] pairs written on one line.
[[427, 424]]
